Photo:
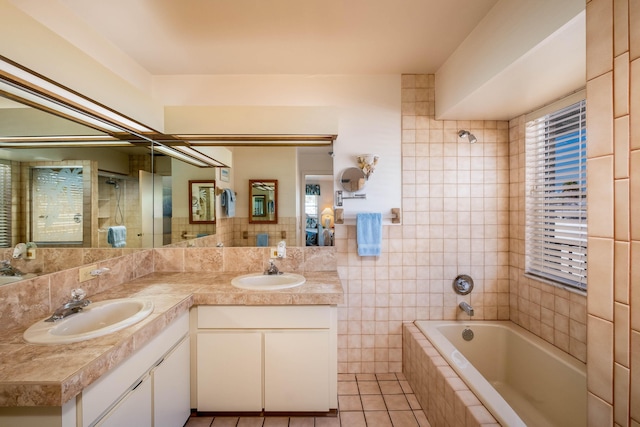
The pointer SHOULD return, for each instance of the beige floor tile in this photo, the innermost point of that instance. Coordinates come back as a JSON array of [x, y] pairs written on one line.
[[276, 422], [403, 419], [406, 388], [352, 419], [301, 422], [377, 419], [366, 377], [413, 401], [250, 422], [396, 402], [386, 377], [421, 418], [373, 402], [349, 403], [199, 422], [369, 387], [225, 422], [327, 422], [347, 387], [346, 377], [390, 387]]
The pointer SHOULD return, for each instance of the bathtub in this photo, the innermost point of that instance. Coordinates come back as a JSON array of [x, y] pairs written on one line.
[[520, 378]]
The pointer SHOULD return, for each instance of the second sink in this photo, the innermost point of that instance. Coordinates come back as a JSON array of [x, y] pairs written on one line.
[[266, 282]]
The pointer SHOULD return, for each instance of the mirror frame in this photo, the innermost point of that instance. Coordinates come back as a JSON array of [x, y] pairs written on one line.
[[194, 188], [253, 197]]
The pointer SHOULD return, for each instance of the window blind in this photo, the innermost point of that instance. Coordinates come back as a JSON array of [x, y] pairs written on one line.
[[556, 200], [5, 205]]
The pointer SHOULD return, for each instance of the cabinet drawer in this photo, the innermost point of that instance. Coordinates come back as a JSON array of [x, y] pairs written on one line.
[[264, 317]]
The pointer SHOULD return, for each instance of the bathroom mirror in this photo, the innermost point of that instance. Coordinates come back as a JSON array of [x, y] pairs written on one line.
[[353, 179], [202, 196], [263, 201]]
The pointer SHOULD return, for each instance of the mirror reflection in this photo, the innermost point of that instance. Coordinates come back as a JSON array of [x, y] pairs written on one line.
[[263, 201], [353, 179]]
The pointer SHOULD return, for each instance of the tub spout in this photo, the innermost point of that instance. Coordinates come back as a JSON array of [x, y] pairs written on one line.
[[466, 308]]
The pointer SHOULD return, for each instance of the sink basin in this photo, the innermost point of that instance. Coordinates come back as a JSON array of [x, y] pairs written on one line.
[[265, 282], [97, 319]]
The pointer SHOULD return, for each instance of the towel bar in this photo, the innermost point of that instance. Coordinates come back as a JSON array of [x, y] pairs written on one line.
[[394, 216]]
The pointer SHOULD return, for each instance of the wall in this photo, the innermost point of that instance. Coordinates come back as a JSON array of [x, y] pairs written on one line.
[[454, 220], [613, 167]]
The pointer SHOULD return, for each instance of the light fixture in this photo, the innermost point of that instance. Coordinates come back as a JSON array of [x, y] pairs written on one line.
[[169, 151], [63, 100], [367, 162], [326, 215], [466, 134], [200, 156]]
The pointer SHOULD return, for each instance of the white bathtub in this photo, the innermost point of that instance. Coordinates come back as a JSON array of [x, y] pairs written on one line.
[[520, 378]]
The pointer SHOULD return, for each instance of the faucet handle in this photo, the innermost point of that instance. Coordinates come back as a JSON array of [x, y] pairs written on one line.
[[78, 294]]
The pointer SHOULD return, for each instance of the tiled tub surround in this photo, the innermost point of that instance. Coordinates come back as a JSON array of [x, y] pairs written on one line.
[[519, 377], [32, 375], [444, 397]]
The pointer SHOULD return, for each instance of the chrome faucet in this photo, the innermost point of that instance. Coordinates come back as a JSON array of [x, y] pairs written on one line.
[[6, 269], [74, 305], [272, 269], [464, 306]]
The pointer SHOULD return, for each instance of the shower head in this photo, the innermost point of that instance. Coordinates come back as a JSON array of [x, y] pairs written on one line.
[[466, 133], [113, 182]]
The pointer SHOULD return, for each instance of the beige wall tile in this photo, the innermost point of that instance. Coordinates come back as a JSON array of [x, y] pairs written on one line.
[[600, 197], [621, 395], [621, 148], [621, 210], [634, 194], [634, 29], [634, 105], [635, 375], [622, 251], [621, 23], [600, 278], [599, 37], [621, 330], [621, 85], [600, 115], [634, 285], [600, 358], [599, 412]]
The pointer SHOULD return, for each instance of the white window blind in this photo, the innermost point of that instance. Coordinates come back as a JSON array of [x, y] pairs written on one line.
[[5, 205], [556, 200]]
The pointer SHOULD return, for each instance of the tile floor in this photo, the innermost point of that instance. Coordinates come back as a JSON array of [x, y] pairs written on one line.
[[364, 400]]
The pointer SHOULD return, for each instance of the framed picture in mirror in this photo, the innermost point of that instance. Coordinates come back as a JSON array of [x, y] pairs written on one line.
[[202, 196], [263, 201]]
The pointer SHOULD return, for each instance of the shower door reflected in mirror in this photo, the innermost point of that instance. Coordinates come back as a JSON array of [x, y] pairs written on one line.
[[202, 196]]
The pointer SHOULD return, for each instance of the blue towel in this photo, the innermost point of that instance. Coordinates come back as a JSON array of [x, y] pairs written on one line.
[[369, 233], [228, 202], [262, 240], [117, 236]]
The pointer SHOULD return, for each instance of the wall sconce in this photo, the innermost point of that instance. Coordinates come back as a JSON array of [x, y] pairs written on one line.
[[326, 215], [367, 162]]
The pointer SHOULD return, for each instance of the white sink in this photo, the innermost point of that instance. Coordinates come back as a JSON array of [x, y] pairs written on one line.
[[266, 282], [97, 319]]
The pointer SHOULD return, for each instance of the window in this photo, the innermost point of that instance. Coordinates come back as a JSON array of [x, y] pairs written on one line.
[[556, 203], [5, 205], [57, 205]]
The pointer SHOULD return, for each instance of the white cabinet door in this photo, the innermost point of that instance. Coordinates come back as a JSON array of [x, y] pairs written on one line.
[[229, 371], [133, 410], [296, 370], [171, 388]]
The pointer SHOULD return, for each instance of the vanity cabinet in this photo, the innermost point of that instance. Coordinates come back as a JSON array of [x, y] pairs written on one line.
[[271, 358], [149, 388]]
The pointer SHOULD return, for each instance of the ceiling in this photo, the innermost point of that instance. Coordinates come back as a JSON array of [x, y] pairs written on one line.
[[270, 37]]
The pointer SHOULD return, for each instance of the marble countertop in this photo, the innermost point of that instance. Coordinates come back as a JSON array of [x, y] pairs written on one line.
[[51, 375]]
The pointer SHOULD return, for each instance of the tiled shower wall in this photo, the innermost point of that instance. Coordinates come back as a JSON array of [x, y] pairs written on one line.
[[455, 213], [613, 165]]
